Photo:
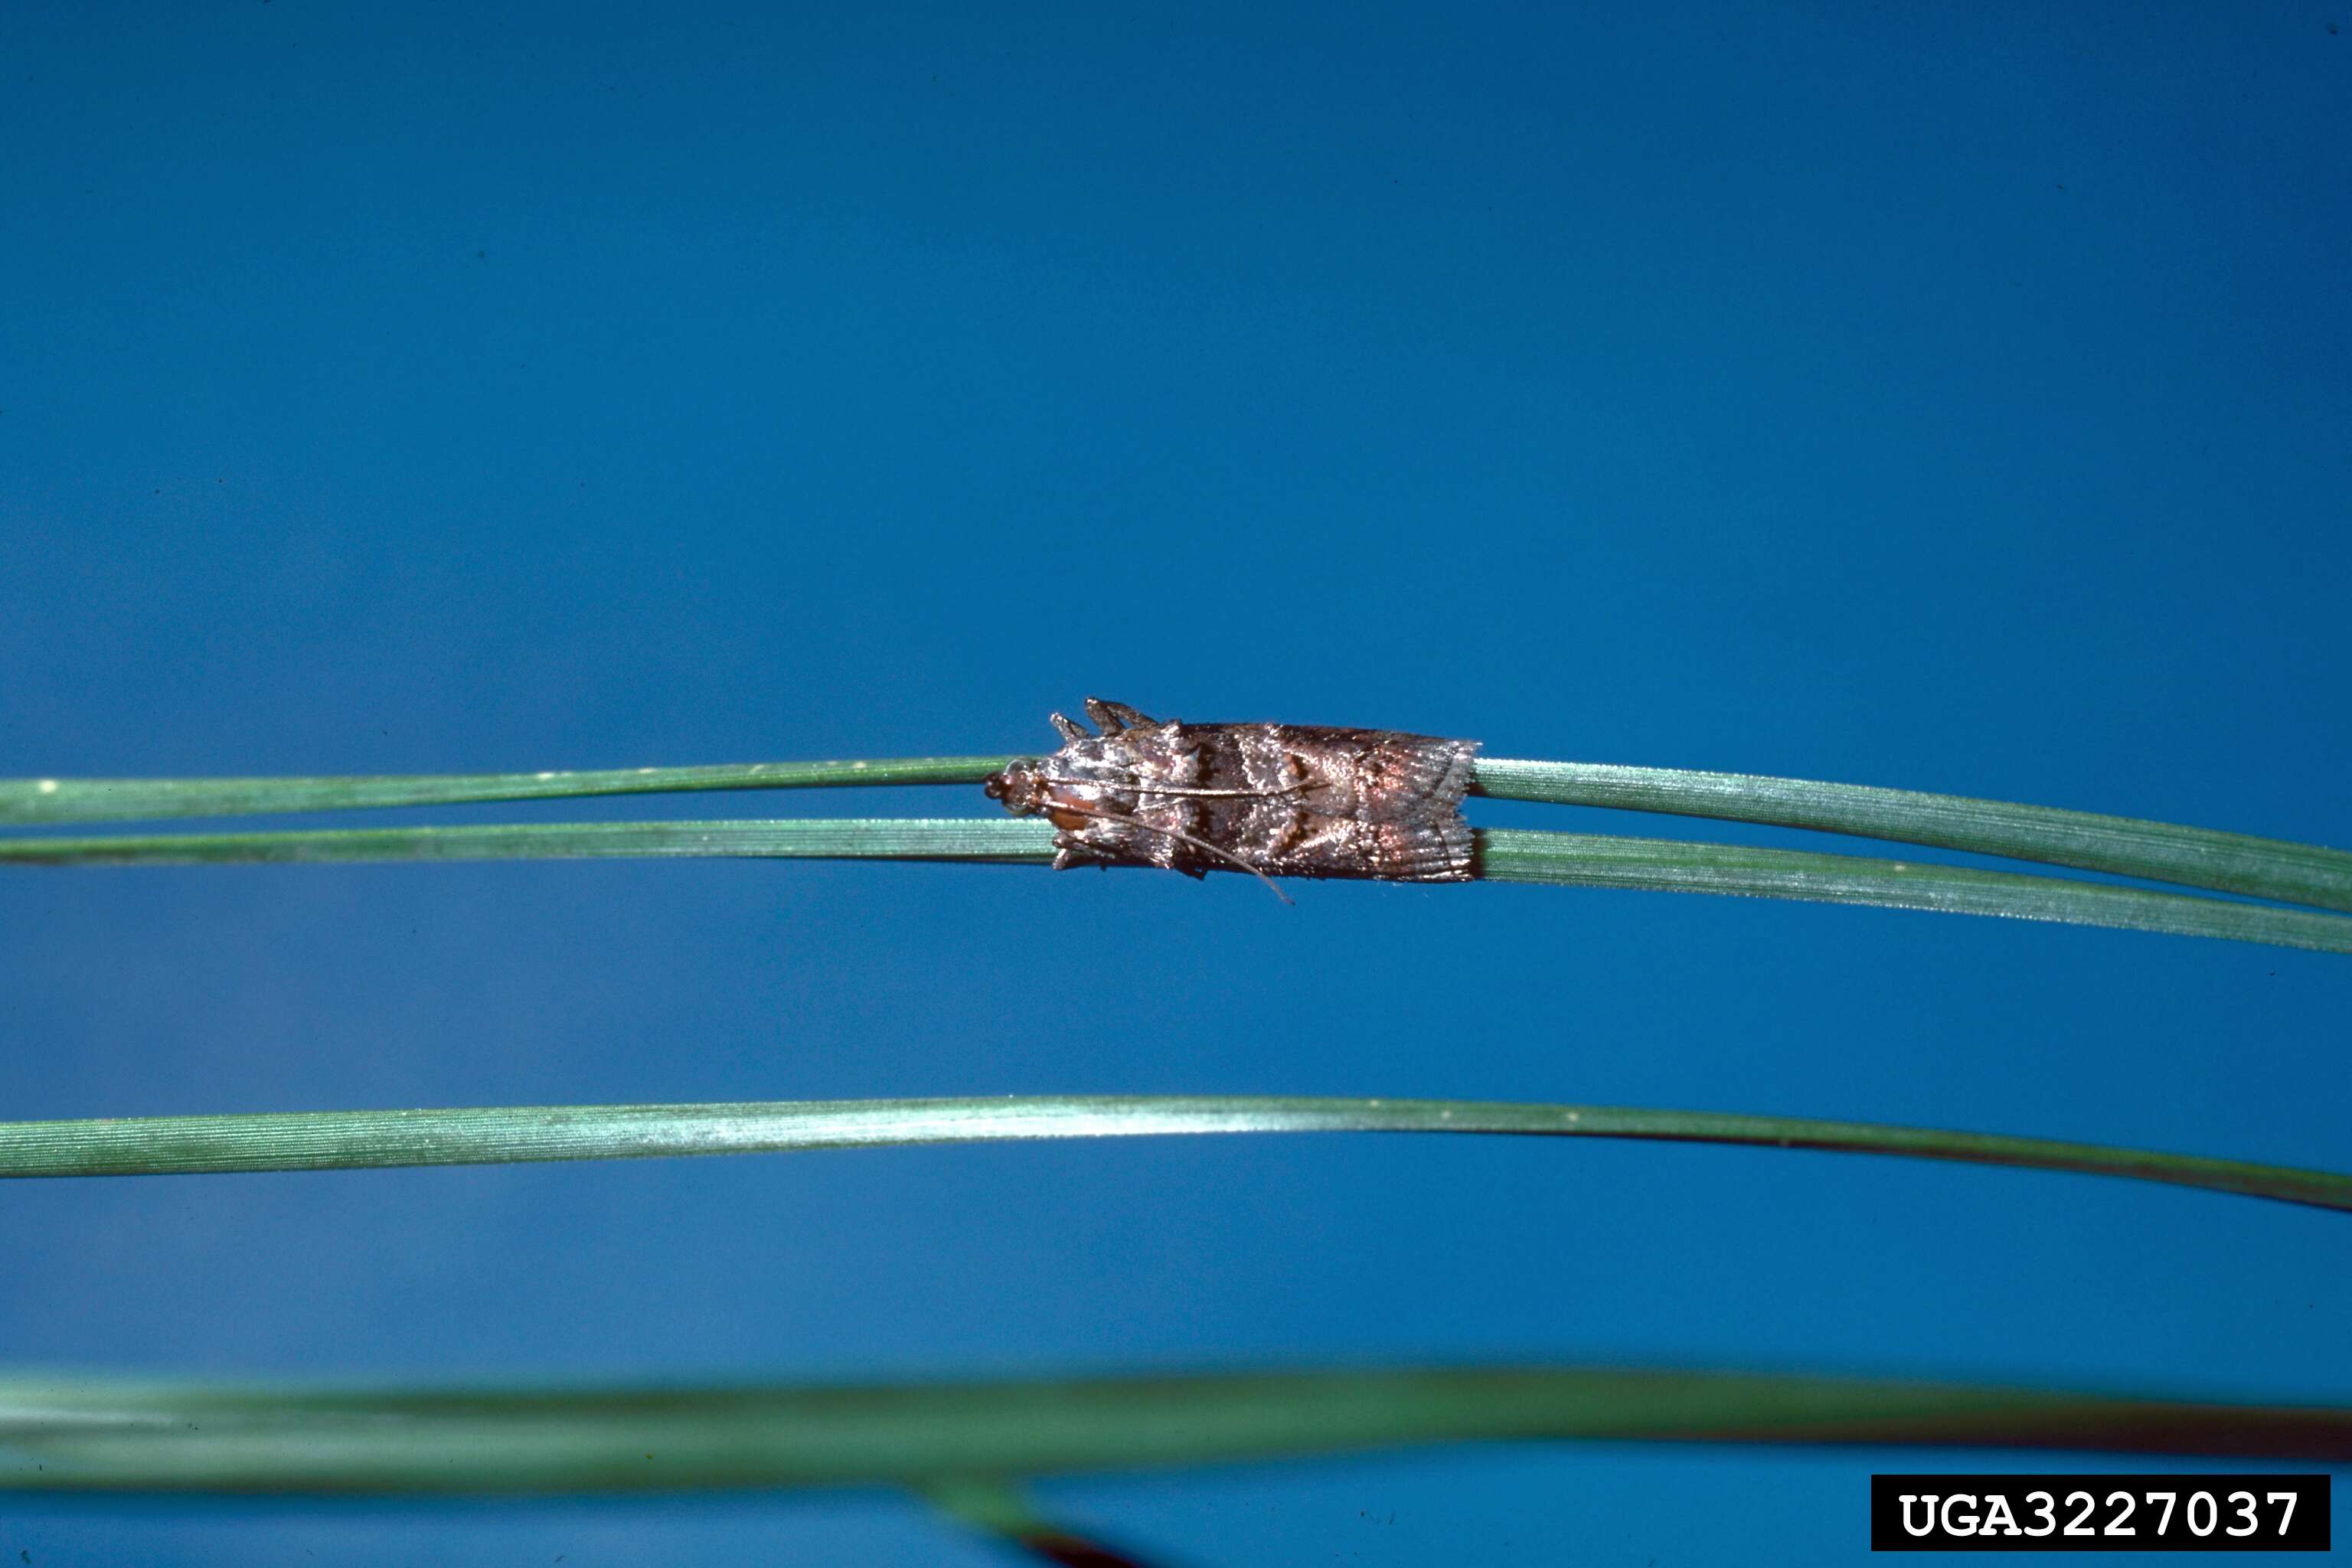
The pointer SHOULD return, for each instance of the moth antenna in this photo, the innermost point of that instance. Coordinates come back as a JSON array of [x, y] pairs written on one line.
[[1182, 837], [1142, 788]]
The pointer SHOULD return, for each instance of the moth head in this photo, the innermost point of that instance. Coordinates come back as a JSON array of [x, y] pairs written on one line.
[[1020, 786]]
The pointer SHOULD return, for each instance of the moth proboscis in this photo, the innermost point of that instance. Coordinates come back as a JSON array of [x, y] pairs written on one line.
[[1274, 800]]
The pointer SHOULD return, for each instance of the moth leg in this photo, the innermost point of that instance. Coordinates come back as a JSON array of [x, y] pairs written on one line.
[[1069, 729], [1072, 849], [1116, 716]]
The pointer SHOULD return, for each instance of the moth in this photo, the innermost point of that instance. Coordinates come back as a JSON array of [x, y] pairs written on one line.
[[1274, 800]]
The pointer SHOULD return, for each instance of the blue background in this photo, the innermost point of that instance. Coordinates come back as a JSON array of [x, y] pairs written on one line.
[[1950, 395]]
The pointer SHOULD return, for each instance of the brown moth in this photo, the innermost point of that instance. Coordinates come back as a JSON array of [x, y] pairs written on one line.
[[1274, 800]]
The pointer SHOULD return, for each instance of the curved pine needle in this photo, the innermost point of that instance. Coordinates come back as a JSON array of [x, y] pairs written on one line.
[[358, 1139], [822, 838], [1504, 855], [1682, 866], [2154, 851], [2123, 845], [66, 1432], [27, 802]]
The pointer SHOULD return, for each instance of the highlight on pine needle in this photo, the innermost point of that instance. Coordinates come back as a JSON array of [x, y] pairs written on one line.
[[1501, 855], [67, 1432], [356, 1139]]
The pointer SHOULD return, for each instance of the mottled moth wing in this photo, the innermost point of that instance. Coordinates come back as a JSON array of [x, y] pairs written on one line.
[[1345, 803], [1280, 800]]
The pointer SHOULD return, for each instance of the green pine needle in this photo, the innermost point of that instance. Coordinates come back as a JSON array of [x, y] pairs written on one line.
[[1504, 854], [854, 838], [70, 1433], [2123, 845], [354, 1140], [40, 803], [1681, 865]]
